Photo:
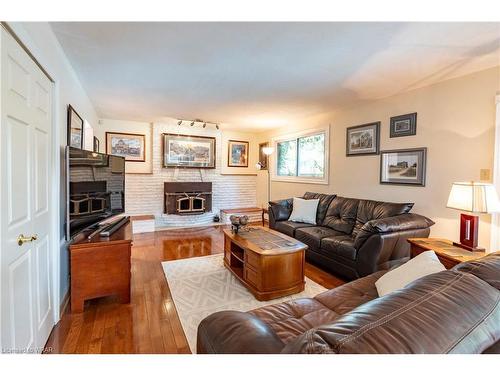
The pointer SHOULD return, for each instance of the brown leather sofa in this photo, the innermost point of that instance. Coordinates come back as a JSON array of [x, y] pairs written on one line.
[[353, 237], [453, 311]]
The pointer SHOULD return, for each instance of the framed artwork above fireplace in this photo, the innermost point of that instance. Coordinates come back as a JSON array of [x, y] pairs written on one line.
[[188, 151]]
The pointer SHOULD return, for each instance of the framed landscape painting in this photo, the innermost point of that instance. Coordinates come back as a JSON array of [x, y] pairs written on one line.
[[130, 146], [75, 128], [363, 139], [188, 151], [237, 154], [404, 125], [403, 167]]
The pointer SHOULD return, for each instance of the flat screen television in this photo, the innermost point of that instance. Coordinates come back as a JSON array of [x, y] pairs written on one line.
[[96, 189]]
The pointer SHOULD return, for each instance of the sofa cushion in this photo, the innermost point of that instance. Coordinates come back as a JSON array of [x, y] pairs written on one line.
[[422, 265], [346, 297], [446, 312], [341, 214], [324, 203], [485, 268], [291, 319], [370, 210], [304, 210], [289, 227], [312, 236], [339, 245]]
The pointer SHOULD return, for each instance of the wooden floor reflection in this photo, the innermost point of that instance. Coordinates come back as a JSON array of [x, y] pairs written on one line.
[[149, 324]]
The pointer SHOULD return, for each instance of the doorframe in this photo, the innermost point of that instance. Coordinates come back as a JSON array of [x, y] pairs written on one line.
[[495, 218], [25, 41]]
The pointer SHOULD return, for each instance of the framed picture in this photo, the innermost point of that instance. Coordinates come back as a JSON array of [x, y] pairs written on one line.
[[188, 151], [96, 144], [75, 128], [363, 139], [263, 158], [404, 125], [131, 146], [237, 154], [403, 167]]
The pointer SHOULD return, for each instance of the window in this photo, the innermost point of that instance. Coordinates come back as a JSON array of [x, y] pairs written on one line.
[[302, 157]]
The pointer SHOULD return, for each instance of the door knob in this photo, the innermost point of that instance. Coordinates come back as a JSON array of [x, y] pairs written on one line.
[[22, 239]]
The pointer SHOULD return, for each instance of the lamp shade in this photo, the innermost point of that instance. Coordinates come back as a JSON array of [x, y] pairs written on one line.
[[267, 150], [473, 197]]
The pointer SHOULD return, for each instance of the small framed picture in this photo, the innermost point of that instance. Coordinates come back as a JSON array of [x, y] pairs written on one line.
[[263, 158], [96, 144], [237, 154], [130, 146], [404, 125], [363, 139], [75, 128], [403, 167]]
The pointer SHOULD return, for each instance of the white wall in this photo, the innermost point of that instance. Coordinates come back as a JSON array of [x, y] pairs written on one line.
[[134, 127], [232, 187], [42, 43], [456, 122]]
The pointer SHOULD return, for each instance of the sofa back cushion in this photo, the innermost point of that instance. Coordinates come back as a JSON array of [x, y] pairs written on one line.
[[341, 214], [486, 268], [371, 210], [324, 202], [421, 318]]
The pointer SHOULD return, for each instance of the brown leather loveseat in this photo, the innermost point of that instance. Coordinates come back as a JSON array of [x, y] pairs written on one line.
[[453, 311], [353, 237]]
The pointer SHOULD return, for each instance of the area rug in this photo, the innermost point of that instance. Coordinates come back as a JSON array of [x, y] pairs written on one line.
[[201, 286]]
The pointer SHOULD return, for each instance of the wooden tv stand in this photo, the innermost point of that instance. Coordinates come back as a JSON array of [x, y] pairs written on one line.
[[268, 263], [100, 267]]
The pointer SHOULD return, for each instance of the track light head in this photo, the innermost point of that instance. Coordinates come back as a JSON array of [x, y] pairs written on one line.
[[179, 122], [192, 123], [204, 125], [217, 126]]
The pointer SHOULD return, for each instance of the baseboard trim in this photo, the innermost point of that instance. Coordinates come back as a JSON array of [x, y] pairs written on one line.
[[64, 303]]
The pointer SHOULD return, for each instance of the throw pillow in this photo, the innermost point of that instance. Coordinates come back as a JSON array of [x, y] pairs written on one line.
[[304, 210], [422, 265]]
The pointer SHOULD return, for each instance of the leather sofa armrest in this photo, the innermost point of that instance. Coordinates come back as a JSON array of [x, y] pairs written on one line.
[[403, 222], [279, 210], [235, 332]]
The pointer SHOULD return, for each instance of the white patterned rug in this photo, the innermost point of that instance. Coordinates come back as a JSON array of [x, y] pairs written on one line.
[[201, 286]]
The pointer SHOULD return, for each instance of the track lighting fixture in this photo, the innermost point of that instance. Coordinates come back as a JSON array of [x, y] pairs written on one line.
[[192, 122]]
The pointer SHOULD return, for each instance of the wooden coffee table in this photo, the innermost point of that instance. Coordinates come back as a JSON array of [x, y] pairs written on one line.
[[270, 264]]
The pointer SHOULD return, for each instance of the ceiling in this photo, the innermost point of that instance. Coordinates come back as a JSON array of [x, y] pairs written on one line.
[[262, 75]]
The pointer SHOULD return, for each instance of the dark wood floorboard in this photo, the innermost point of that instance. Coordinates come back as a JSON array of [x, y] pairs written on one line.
[[149, 324]]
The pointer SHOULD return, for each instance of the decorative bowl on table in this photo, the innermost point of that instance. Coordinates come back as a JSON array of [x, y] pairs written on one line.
[[238, 221]]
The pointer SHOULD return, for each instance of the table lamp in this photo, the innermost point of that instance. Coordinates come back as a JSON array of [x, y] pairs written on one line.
[[472, 197]]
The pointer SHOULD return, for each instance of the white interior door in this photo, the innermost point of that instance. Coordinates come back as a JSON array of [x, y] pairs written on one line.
[[26, 268]]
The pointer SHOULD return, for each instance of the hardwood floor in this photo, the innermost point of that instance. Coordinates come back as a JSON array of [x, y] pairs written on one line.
[[149, 324]]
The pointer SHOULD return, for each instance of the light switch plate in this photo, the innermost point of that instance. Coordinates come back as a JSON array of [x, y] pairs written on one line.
[[485, 174]]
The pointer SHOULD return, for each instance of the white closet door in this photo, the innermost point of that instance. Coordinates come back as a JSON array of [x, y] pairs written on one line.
[[25, 149]]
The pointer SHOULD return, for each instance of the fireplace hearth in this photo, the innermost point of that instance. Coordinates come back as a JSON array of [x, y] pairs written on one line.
[[187, 198]]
